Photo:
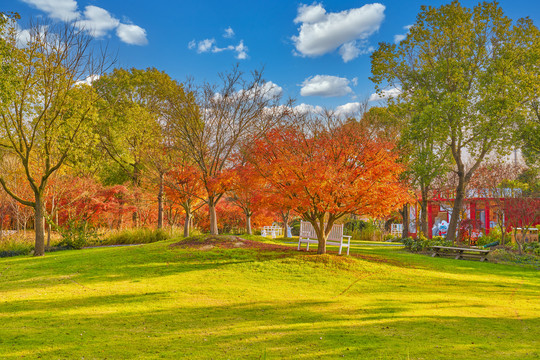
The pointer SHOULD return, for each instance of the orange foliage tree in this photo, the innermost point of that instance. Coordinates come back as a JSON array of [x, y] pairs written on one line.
[[247, 191], [329, 170], [184, 187]]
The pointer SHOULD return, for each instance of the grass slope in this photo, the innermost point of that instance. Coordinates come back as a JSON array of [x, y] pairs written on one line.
[[159, 302]]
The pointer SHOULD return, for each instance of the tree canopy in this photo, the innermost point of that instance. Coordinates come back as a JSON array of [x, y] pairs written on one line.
[[469, 75]]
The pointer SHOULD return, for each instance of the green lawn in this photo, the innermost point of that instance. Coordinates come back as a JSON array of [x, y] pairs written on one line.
[[156, 302]]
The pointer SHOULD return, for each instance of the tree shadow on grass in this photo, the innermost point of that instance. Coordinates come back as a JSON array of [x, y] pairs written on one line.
[[282, 328]]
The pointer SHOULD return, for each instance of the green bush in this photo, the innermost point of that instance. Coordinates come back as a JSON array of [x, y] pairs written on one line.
[[76, 234], [14, 246], [423, 244], [136, 236], [390, 237], [362, 230], [532, 247]]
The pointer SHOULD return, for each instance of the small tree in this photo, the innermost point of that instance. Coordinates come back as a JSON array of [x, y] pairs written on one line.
[[183, 186], [246, 192], [522, 212]]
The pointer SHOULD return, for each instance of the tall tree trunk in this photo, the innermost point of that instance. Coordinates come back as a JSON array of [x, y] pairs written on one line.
[[187, 223], [423, 218], [285, 219], [405, 216], [248, 223], [213, 216], [160, 202], [322, 230], [458, 205], [39, 227], [423, 211], [48, 236]]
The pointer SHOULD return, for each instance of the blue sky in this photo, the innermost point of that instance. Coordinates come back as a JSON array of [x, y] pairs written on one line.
[[317, 52]]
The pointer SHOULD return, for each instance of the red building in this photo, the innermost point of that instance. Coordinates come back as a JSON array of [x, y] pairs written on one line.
[[481, 205]]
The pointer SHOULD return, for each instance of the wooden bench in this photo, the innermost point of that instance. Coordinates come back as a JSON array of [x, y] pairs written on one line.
[[336, 237], [460, 253]]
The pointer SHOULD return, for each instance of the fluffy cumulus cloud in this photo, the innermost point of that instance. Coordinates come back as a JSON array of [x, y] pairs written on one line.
[[229, 33], [327, 86], [272, 90], [96, 20], [209, 45], [400, 37], [321, 32], [349, 109], [65, 10], [306, 109], [385, 94], [132, 34]]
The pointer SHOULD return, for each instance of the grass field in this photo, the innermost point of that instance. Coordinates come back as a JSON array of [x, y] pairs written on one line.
[[159, 302]]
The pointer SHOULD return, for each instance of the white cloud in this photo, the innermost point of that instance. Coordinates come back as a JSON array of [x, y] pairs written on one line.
[[209, 45], [132, 34], [229, 33], [400, 37], [385, 94], [65, 10], [310, 14], [325, 85], [24, 36], [205, 45], [321, 32], [268, 90], [272, 90], [349, 109], [97, 21], [306, 108], [351, 50], [88, 81], [241, 50]]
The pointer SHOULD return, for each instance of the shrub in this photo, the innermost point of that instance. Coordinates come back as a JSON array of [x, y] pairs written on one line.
[[423, 244], [532, 247], [504, 256], [76, 234], [15, 245], [136, 236]]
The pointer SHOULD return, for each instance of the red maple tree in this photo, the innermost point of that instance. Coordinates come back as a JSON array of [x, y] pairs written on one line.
[[329, 171]]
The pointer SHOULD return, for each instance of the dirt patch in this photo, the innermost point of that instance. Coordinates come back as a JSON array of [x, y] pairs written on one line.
[[227, 242]]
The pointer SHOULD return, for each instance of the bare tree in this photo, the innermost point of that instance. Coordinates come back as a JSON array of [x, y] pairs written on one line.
[[51, 108], [225, 117]]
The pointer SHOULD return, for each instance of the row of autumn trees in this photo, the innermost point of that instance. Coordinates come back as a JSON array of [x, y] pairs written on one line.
[[93, 150], [469, 88]]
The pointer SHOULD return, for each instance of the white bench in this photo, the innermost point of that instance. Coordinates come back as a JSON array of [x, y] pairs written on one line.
[[273, 231], [336, 237]]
